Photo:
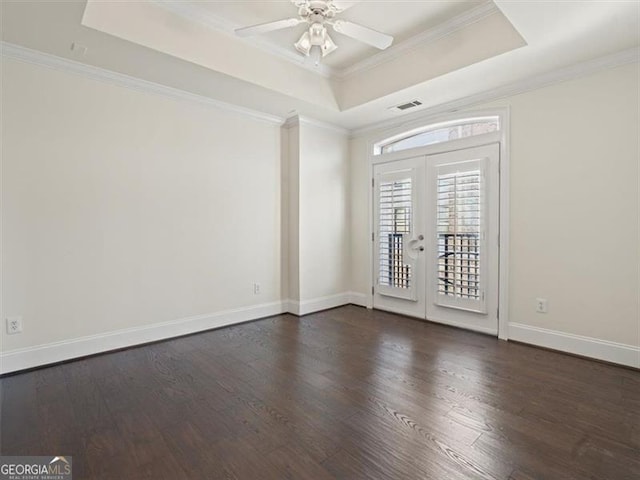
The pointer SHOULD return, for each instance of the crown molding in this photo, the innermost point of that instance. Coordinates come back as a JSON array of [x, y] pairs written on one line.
[[428, 36], [35, 57], [193, 12], [27, 55], [572, 72], [298, 120]]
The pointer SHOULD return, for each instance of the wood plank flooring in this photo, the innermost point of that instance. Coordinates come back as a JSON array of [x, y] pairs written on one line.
[[342, 394]]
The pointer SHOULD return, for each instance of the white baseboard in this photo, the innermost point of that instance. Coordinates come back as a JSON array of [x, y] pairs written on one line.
[[313, 305], [40, 355], [359, 299], [577, 344]]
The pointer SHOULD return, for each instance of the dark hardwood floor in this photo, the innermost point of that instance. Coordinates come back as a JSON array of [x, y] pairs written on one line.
[[342, 394]]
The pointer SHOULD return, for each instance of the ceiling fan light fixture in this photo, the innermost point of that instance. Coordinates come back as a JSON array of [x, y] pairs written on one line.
[[304, 44], [316, 43], [328, 46], [317, 34]]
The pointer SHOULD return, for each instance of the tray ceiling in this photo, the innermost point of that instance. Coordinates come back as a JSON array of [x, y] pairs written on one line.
[[460, 35], [456, 56]]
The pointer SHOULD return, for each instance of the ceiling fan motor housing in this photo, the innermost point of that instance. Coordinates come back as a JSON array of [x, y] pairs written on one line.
[[317, 10], [317, 34]]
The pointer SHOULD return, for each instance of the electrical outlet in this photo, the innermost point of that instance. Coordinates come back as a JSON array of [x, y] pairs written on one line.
[[14, 325], [256, 289], [542, 305]]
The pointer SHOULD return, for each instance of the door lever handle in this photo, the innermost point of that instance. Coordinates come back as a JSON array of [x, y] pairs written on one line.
[[411, 247], [419, 249]]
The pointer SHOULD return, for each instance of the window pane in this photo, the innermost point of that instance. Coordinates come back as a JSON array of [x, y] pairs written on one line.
[[443, 133]]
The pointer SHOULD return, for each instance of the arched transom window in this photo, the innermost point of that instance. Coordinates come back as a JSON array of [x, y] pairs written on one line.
[[438, 133]]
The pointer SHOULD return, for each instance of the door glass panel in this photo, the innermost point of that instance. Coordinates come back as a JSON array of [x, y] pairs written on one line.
[[459, 221], [394, 222]]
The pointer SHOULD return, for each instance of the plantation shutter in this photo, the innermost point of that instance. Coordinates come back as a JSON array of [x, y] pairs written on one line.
[[461, 211], [395, 210]]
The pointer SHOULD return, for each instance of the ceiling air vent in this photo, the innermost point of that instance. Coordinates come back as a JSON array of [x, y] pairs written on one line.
[[406, 106]]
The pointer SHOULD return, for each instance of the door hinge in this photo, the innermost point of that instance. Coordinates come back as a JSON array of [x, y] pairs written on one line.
[[372, 290], [373, 237], [373, 182]]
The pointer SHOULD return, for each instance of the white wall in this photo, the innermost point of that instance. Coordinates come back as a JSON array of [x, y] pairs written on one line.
[[292, 146], [574, 207], [324, 210], [125, 209], [360, 176], [319, 236]]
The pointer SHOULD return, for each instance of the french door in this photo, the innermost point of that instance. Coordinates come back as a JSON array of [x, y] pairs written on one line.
[[436, 242]]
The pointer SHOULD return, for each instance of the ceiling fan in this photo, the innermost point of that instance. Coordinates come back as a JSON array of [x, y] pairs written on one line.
[[316, 42]]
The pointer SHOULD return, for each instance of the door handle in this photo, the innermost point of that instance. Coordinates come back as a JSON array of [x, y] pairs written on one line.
[[411, 248], [416, 240], [419, 248]]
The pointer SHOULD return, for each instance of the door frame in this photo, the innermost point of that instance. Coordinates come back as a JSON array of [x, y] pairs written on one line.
[[502, 138]]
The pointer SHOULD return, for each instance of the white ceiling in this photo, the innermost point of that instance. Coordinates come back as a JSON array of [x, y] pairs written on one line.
[[558, 34]]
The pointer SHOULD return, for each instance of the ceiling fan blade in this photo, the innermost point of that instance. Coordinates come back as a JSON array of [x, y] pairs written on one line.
[[364, 34], [268, 27]]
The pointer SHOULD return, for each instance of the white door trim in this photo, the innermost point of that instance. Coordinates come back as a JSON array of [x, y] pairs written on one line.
[[502, 137]]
